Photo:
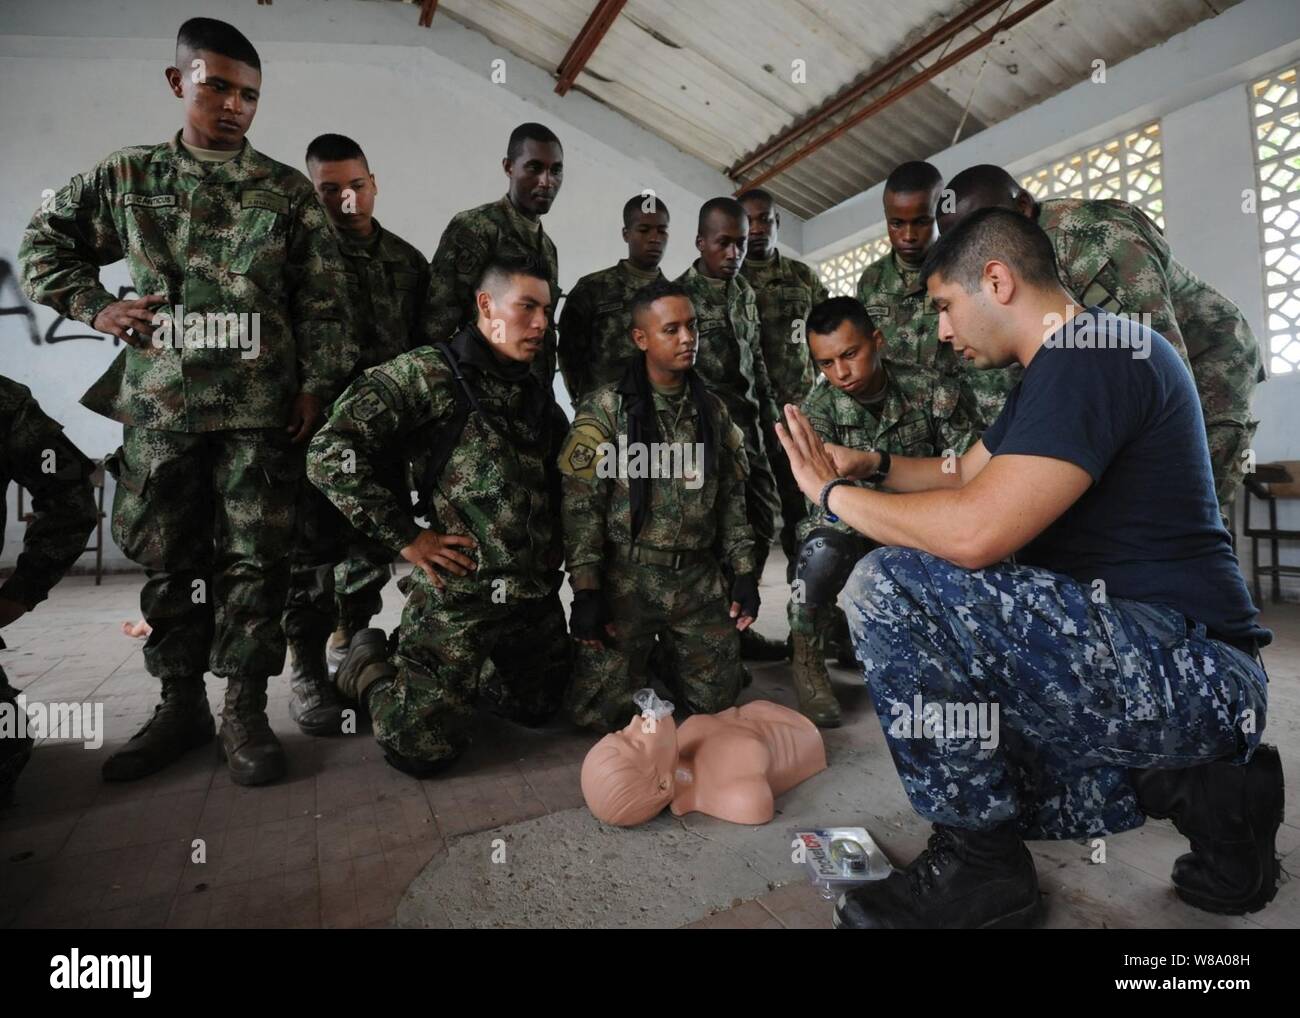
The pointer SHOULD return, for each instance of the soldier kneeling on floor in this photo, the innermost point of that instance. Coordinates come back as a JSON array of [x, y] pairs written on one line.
[[654, 484], [481, 434]]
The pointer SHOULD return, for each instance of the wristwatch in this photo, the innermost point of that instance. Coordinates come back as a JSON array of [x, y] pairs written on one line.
[[882, 471]]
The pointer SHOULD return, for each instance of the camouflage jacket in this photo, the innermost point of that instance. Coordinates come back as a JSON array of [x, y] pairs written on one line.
[[906, 317], [244, 237], [471, 240], [683, 515], [35, 453], [387, 282], [595, 327], [730, 358], [1111, 255], [786, 291], [922, 414], [499, 485]]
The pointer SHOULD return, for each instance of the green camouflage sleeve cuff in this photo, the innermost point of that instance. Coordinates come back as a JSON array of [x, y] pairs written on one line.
[[86, 306]]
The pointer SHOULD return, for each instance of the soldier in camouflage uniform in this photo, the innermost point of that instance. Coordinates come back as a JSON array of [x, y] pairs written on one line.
[[867, 401], [483, 435], [510, 227], [35, 454], [595, 325], [208, 472], [786, 290], [1111, 255], [890, 289], [730, 362], [1112, 671], [387, 282], [642, 551]]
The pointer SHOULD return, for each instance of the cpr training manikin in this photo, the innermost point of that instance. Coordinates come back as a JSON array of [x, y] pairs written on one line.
[[731, 765]]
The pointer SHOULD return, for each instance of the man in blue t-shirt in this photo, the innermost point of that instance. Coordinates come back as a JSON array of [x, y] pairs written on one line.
[[1109, 672]]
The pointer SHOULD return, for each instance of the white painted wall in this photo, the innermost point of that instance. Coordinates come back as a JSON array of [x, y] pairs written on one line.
[[80, 78], [1195, 83]]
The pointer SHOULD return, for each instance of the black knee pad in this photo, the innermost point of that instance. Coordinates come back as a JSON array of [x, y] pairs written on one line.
[[826, 559]]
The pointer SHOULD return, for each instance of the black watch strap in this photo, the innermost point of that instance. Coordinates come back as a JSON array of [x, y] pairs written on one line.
[[882, 471]]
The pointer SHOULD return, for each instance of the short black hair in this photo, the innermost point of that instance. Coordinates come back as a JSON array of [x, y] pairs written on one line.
[[914, 176], [833, 312], [503, 268], [757, 194], [651, 292], [334, 148], [216, 37], [992, 234], [633, 206], [987, 185], [730, 206], [529, 132]]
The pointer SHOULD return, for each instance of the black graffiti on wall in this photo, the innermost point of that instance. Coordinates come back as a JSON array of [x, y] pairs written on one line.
[[62, 328]]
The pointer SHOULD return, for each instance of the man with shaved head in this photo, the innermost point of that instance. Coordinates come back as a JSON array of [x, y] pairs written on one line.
[[595, 337], [890, 289], [1112, 256], [644, 548], [480, 433], [731, 363], [510, 227], [240, 337]]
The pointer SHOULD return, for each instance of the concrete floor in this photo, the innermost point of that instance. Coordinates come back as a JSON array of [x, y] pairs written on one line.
[[501, 840]]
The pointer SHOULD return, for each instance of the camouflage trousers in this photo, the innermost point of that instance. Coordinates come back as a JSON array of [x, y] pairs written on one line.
[[424, 712], [1228, 440], [14, 751], [793, 505], [686, 610], [1083, 692], [324, 544], [210, 517]]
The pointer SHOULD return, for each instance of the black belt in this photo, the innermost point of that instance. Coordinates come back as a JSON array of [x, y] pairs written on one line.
[[643, 555]]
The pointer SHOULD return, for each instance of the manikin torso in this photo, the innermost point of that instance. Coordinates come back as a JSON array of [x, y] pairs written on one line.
[[731, 765]]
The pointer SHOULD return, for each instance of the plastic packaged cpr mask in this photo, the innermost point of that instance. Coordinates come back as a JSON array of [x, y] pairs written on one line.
[[627, 777]]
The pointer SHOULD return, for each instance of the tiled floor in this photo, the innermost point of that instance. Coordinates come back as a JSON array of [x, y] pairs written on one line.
[[338, 842]]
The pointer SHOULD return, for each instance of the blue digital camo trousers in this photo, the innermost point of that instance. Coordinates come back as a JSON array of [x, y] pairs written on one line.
[[1084, 691]]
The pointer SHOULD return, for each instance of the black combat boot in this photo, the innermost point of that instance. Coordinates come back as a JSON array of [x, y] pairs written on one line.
[[180, 723], [315, 706], [247, 744], [754, 646], [1230, 813], [967, 880]]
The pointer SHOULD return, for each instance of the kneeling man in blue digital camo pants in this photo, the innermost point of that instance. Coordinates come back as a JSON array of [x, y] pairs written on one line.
[[1111, 671]]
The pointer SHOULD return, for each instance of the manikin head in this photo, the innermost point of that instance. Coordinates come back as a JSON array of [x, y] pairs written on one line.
[[627, 777]]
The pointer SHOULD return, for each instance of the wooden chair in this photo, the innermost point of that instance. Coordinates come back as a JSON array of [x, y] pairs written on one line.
[[1270, 483], [97, 482]]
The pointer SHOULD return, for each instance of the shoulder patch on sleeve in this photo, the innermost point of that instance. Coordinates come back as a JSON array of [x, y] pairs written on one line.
[[581, 451], [368, 405]]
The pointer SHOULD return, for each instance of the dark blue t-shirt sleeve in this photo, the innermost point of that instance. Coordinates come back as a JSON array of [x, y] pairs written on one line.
[[1075, 405]]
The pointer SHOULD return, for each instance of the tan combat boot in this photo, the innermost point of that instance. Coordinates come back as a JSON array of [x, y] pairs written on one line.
[[813, 685], [247, 743]]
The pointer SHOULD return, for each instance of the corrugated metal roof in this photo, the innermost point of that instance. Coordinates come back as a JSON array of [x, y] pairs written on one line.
[[716, 78]]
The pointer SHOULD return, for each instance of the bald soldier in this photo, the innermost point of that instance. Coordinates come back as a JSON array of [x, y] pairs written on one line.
[[786, 290], [730, 362], [1112, 256], [595, 326], [510, 228], [890, 287]]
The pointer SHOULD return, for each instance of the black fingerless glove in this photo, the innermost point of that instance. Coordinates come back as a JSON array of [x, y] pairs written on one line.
[[587, 617], [744, 591]]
